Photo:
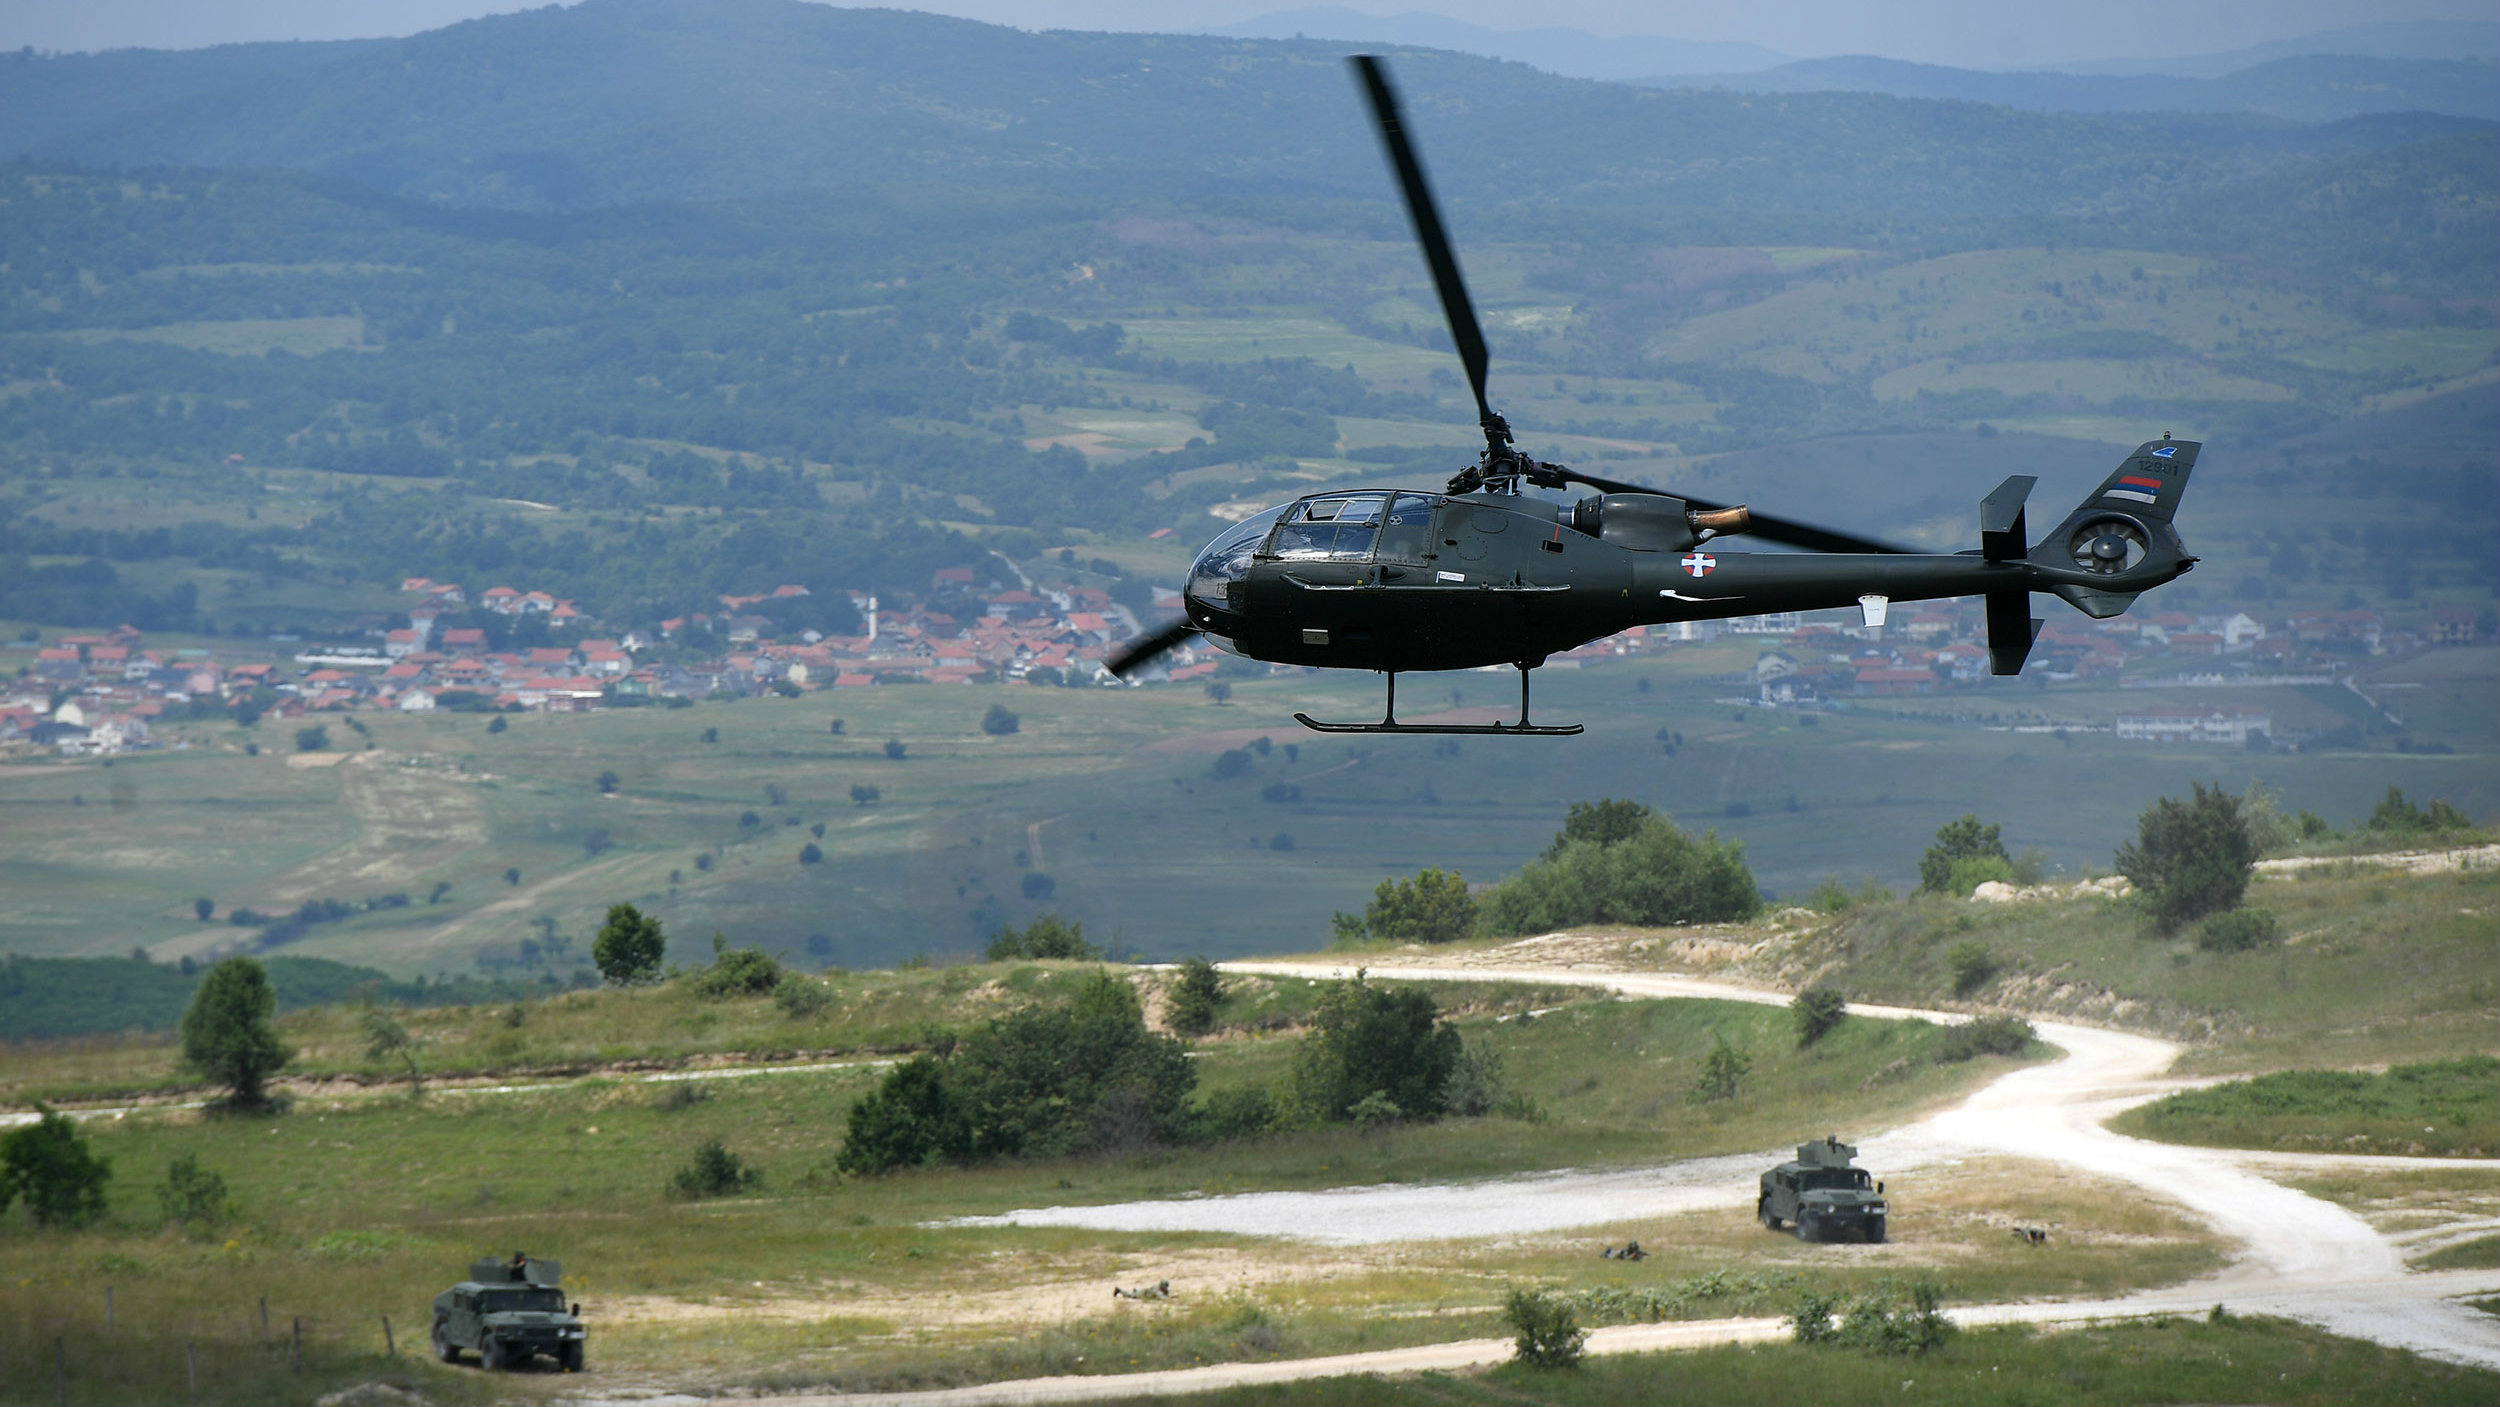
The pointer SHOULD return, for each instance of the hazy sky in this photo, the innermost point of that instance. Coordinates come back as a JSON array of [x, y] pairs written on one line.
[[1971, 33]]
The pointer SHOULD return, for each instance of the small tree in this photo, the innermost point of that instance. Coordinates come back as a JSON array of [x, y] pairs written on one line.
[[1433, 907], [1720, 1073], [737, 972], [608, 783], [1550, 1335], [227, 1036], [203, 908], [1220, 692], [1818, 1010], [998, 722], [630, 947], [1957, 841], [1366, 1040], [49, 1164], [1604, 822], [811, 854], [312, 739], [715, 1172], [2191, 858], [1195, 998], [387, 1040], [865, 795], [895, 748], [191, 1193]]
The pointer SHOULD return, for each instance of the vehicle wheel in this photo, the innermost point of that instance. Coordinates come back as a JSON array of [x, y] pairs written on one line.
[[1875, 1234], [490, 1352], [444, 1348], [1805, 1227], [571, 1357]]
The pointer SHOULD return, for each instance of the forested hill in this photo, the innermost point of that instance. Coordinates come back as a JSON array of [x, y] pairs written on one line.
[[622, 101]]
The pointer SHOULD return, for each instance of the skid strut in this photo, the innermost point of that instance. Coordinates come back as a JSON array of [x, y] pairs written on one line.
[[1389, 720]]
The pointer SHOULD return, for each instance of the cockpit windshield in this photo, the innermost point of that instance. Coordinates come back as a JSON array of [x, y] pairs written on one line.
[[545, 1301], [1331, 529], [1227, 559]]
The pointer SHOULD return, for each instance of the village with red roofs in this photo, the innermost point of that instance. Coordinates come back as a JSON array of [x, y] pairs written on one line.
[[106, 692]]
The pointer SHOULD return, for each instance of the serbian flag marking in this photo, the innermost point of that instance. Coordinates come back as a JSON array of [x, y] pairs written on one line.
[[1700, 563], [2135, 488]]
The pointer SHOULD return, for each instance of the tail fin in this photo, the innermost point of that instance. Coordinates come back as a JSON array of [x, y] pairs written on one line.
[[2146, 488], [2149, 484]]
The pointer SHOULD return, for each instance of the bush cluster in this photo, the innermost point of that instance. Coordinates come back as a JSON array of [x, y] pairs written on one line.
[[737, 972], [1988, 1035], [1817, 1010], [1622, 863], [2190, 858], [2239, 930], [1873, 1322], [1049, 936], [1549, 1334], [715, 1172]]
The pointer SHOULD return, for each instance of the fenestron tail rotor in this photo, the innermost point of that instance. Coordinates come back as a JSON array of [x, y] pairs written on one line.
[[1142, 651]]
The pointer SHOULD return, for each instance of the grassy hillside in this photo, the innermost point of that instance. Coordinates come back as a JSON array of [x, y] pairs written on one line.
[[360, 1202]]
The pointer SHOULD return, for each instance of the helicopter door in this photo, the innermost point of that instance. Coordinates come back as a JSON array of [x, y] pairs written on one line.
[[1406, 539]]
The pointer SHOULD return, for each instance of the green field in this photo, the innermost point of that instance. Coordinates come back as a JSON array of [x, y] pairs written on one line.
[[2166, 1361], [1111, 794], [2448, 1109]]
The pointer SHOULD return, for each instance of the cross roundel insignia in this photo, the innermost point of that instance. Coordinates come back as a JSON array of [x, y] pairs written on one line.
[[1700, 563]]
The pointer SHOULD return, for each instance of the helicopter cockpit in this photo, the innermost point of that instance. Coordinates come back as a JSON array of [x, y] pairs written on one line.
[[1334, 527]]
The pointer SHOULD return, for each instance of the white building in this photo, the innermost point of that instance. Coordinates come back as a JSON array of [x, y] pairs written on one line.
[[2225, 723]]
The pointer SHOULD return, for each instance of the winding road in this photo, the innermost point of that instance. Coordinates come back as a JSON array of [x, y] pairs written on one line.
[[2300, 1257]]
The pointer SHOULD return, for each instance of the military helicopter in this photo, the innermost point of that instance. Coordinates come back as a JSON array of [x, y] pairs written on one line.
[[1482, 574]]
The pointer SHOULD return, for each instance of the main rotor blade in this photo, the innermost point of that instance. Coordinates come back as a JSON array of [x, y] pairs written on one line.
[[1465, 331], [1145, 647], [1766, 526]]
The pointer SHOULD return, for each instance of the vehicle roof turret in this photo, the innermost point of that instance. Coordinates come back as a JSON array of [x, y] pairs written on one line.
[[1827, 1152]]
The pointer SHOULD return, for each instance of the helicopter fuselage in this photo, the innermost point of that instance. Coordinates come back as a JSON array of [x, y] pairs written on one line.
[[1403, 580]]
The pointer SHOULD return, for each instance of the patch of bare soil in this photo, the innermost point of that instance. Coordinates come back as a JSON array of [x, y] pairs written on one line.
[[407, 820], [1011, 1289]]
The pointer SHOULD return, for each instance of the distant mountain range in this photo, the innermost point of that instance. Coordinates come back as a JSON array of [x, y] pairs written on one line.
[[2313, 88], [609, 103], [1573, 53]]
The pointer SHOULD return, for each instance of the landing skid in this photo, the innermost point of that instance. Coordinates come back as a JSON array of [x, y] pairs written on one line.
[[1389, 720]]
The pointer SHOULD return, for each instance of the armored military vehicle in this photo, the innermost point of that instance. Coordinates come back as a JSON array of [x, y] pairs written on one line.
[[510, 1312], [1823, 1196]]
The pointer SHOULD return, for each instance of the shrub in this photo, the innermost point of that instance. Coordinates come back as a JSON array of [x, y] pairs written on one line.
[[2191, 858], [227, 1036], [49, 1164], [1832, 897], [1989, 1035], [191, 1193], [1817, 1011], [608, 782], [998, 722], [715, 1172], [912, 1118], [1195, 997], [1973, 966], [1964, 839], [1811, 1321], [312, 739], [1607, 822], [1085, 1078], [1368, 1040], [811, 854], [1374, 1109], [1657, 875], [799, 996], [2397, 816], [1246, 1112], [1549, 1334], [1433, 907], [1972, 871], [1475, 1087], [1721, 1071], [896, 749], [631, 944], [1049, 936], [2239, 930], [737, 972]]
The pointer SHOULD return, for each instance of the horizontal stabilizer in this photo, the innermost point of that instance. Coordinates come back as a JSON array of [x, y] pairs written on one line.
[[2011, 629]]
